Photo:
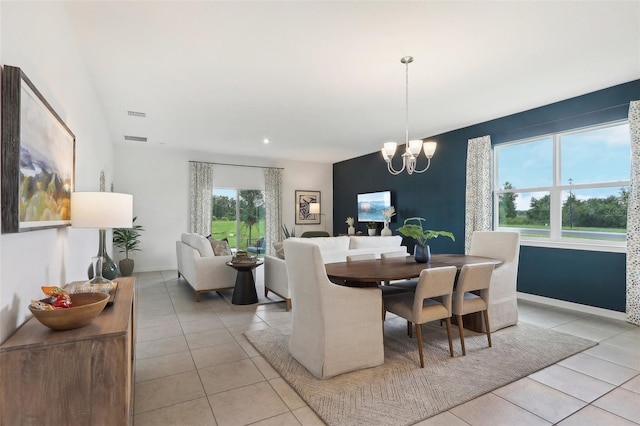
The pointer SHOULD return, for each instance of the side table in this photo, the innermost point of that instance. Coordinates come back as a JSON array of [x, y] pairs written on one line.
[[244, 292]]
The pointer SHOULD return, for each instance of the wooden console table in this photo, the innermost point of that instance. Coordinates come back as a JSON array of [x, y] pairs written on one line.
[[75, 377]]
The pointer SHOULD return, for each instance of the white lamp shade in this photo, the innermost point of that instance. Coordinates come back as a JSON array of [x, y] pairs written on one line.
[[314, 208], [390, 149], [415, 146], [101, 210], [429, 149]]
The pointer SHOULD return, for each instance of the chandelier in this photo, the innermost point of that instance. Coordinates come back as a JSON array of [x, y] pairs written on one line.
[[413, 147]]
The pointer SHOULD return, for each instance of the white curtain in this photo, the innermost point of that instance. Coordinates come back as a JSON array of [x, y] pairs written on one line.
[[633, 219], [478, 210], [273, 204], [201, 187]]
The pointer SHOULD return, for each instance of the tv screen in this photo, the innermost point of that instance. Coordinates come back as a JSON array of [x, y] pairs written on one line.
[[371, 204]]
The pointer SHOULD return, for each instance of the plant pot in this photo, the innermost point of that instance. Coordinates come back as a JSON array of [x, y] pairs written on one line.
[[372, 231], [422, 254], [126, 267], [351, 231]]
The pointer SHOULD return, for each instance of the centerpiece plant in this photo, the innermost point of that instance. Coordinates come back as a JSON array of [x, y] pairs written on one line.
[[422, 253]]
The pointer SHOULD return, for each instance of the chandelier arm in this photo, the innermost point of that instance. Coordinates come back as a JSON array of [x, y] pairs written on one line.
[[426, 168], [394, 171]]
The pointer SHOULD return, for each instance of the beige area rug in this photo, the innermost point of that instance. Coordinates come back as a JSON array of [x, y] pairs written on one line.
[[399, 392], [271, 298]]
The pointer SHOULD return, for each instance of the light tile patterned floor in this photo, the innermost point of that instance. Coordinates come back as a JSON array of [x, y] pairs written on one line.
[[195, 367]]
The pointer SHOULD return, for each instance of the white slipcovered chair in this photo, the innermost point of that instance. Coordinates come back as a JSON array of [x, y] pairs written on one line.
[[503, 303], [335, 329]]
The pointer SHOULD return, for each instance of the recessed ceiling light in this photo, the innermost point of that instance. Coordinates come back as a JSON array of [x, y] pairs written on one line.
[[265, 141]]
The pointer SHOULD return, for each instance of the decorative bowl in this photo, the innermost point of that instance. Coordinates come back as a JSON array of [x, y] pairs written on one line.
[[86, 306]]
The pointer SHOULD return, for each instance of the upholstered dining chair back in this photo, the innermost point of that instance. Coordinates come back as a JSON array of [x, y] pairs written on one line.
[[335, 329], [436, 282], [357, 257], [503, 305], [393, 254]]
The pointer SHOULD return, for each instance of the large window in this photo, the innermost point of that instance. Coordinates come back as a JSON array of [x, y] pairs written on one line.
[[567, 189], [238, 215]]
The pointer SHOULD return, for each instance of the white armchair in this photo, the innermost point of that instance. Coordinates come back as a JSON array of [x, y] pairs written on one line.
[[335, 329], [503, 303]]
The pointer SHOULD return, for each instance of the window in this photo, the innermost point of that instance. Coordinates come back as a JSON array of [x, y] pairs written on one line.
[[239, 216], [566, 190]]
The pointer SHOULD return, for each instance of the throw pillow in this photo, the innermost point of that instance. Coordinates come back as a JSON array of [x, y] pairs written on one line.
[[279, 248], [220, 248]]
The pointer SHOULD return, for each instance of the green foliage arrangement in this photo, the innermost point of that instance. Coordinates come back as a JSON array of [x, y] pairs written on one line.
[[287, 233], [419, 234], [127, 239], [372, 225]]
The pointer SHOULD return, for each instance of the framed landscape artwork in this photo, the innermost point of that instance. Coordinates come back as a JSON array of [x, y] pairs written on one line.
[[38, 158], [303, 201]]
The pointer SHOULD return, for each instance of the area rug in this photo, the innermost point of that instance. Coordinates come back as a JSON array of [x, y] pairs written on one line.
[[399, 392], [262, 300]]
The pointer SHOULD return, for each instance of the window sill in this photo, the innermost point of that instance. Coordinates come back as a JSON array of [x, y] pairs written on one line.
[[570, 245]]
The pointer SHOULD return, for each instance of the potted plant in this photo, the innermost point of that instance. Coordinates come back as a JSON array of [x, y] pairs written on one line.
[[422, 253], [372, 228], [127, 239], [351, 230]]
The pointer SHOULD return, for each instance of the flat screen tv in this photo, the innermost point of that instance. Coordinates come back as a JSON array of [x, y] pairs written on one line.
[[371, 204]]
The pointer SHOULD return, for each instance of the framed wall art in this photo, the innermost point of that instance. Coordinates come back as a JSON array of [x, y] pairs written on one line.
[[303, 214], [38, 158]]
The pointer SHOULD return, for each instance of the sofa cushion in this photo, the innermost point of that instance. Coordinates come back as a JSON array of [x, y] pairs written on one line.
[[220, 247], [279, 248], [374, 242], [199, 243]]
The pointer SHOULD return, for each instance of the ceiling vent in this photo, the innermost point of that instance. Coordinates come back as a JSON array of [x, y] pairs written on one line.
[[137, 114], [135, 138]]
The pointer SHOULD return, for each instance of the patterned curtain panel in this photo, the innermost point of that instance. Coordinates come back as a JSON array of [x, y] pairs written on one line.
[[633, 219], [273, 204], [478, 214], [201, 175]]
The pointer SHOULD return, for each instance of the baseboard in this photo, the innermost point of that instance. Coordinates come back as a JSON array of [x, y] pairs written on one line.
[[573, 306]]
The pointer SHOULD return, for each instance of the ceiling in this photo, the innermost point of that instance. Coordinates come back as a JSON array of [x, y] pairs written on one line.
[[323, 80]]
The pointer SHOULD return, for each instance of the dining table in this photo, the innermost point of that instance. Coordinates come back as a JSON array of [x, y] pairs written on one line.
[[368, 273]]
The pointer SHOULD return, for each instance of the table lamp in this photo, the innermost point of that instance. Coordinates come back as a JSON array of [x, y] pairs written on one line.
[[314, 208], [101, 210]]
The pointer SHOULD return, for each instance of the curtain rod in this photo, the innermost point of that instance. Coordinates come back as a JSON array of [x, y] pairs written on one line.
[[237, 165]]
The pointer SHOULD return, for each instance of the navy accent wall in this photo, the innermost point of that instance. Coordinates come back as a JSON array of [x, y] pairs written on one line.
[[438, 195]]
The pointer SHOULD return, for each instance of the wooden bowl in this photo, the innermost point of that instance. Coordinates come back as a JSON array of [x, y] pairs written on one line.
[[86, 306]]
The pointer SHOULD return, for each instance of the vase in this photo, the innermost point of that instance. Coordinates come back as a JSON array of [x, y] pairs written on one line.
[[422, 254], [386, 232], [126, 267], [372, 231], [351, 230], [109, 268]]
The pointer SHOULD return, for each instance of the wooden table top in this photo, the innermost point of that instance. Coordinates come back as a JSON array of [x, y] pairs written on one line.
[[397, 268]]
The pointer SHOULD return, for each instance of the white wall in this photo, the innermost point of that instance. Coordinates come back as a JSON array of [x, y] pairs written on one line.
[[36, 37], [158, 178]]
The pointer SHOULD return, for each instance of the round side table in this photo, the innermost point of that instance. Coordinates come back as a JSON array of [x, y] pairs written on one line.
[[244, 292]]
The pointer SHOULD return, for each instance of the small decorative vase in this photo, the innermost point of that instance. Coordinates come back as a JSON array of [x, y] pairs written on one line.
[[386, 232], [351, 230], [422, 254], [372, 231], [126, 267]]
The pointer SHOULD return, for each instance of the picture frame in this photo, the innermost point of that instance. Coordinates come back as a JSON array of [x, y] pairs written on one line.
[[303, 201], [38, 158]]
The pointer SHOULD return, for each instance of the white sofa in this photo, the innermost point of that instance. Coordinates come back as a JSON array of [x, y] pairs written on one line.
[[200, 267], [332, 249]]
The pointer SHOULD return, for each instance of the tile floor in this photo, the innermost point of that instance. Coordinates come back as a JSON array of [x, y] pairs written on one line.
[[194, 367]]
